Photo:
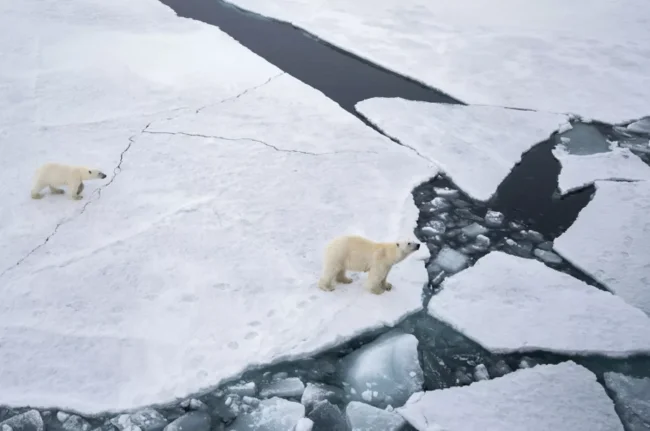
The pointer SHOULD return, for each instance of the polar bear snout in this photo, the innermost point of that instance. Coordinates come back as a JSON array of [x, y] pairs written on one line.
[[416, 246], [102, 175]]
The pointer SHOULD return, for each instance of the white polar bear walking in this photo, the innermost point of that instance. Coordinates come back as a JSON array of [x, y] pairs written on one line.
[[53, 175], [355, 253]]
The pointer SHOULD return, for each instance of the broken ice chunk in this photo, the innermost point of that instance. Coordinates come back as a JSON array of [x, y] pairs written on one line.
[[632, 397], [434, 227], [462, 377], [192, 421], [445, 192], [481, 373], [640, 126], [584, 139], [482, 243], [546, 245], [363, 417], [494, 218], [77, 423], [315, 392], [242, 389], [273, 414], [533, 236], [527, 362], [522, 249], [29, 421], [437, 205], [287, 388], [328, 417], [547, 256], [304, 424], [500, 369], [385, 364], [451, 260], [474, 229]]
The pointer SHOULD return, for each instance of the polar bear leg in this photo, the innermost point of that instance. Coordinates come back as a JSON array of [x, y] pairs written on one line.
[[76, 187], [341, 278], [377, 278], [56, 191], [36, 190], [326, 281]]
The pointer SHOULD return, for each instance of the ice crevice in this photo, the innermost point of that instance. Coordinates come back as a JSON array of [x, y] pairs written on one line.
[[242, 93], [258, 141]]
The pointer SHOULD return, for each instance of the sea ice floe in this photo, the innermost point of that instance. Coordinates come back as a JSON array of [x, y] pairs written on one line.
[[364, 417], [530, 306], [632, 397]]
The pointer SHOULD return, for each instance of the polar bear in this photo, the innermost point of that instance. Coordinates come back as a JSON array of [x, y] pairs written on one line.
[[355, 253], [53, 175]]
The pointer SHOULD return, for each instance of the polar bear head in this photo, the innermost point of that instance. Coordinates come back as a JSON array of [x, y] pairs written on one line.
[[405, 248], [91, 174]]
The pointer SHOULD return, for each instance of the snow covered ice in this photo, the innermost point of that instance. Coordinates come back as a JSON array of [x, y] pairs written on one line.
[[131, 295], [531, 307], [563, 397], [363, 417], [477, 146], [610, 240], [451, 260], [581, 170], [640, 126], [632, 397], [389, 366], [501, 53]]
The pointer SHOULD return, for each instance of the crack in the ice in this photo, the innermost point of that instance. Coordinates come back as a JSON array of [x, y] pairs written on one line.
[[97, 192], [266, 144], [237, 96]]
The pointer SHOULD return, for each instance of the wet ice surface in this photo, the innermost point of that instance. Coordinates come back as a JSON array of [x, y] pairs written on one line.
[[632, 397], [586, 155], [563, 397], [504, 300]]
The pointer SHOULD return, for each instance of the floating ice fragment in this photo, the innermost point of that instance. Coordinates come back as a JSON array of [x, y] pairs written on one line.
[[438, 204], [327, 417], [77, 423], [367, 395], [522, 249], [273, 414], [363, 417], [474, 229], [242, 389], [304, 424], [632, 397], [547, 256], [287, 388], [29, 421], [640, 126], [501, 368], [192, 421], [563, 397], [386, 363], [434, 227], [445, 192], [527, 362], [481, 373], [546, 245], [533, 236], [462, 377], [481, 243], [494, 218], [62, 416], [451, 260], [315, 392]]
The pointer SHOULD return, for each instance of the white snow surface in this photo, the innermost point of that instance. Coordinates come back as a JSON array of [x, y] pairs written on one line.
[[588, 57], [511, 304], [581, 170], [563, 397], [610, 240], [477, 146], [198, 257]]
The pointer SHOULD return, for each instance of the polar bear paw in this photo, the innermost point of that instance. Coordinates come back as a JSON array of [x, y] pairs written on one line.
[[37, 196], [56, 191], [388, 286]]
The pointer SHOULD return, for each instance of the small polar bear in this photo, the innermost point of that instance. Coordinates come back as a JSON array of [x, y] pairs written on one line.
[[53, 175], [354, 253]]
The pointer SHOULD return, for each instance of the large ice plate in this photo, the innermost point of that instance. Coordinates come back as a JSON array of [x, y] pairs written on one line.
[[200, 257], [610, 240], [563, 397], [511, 304]]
